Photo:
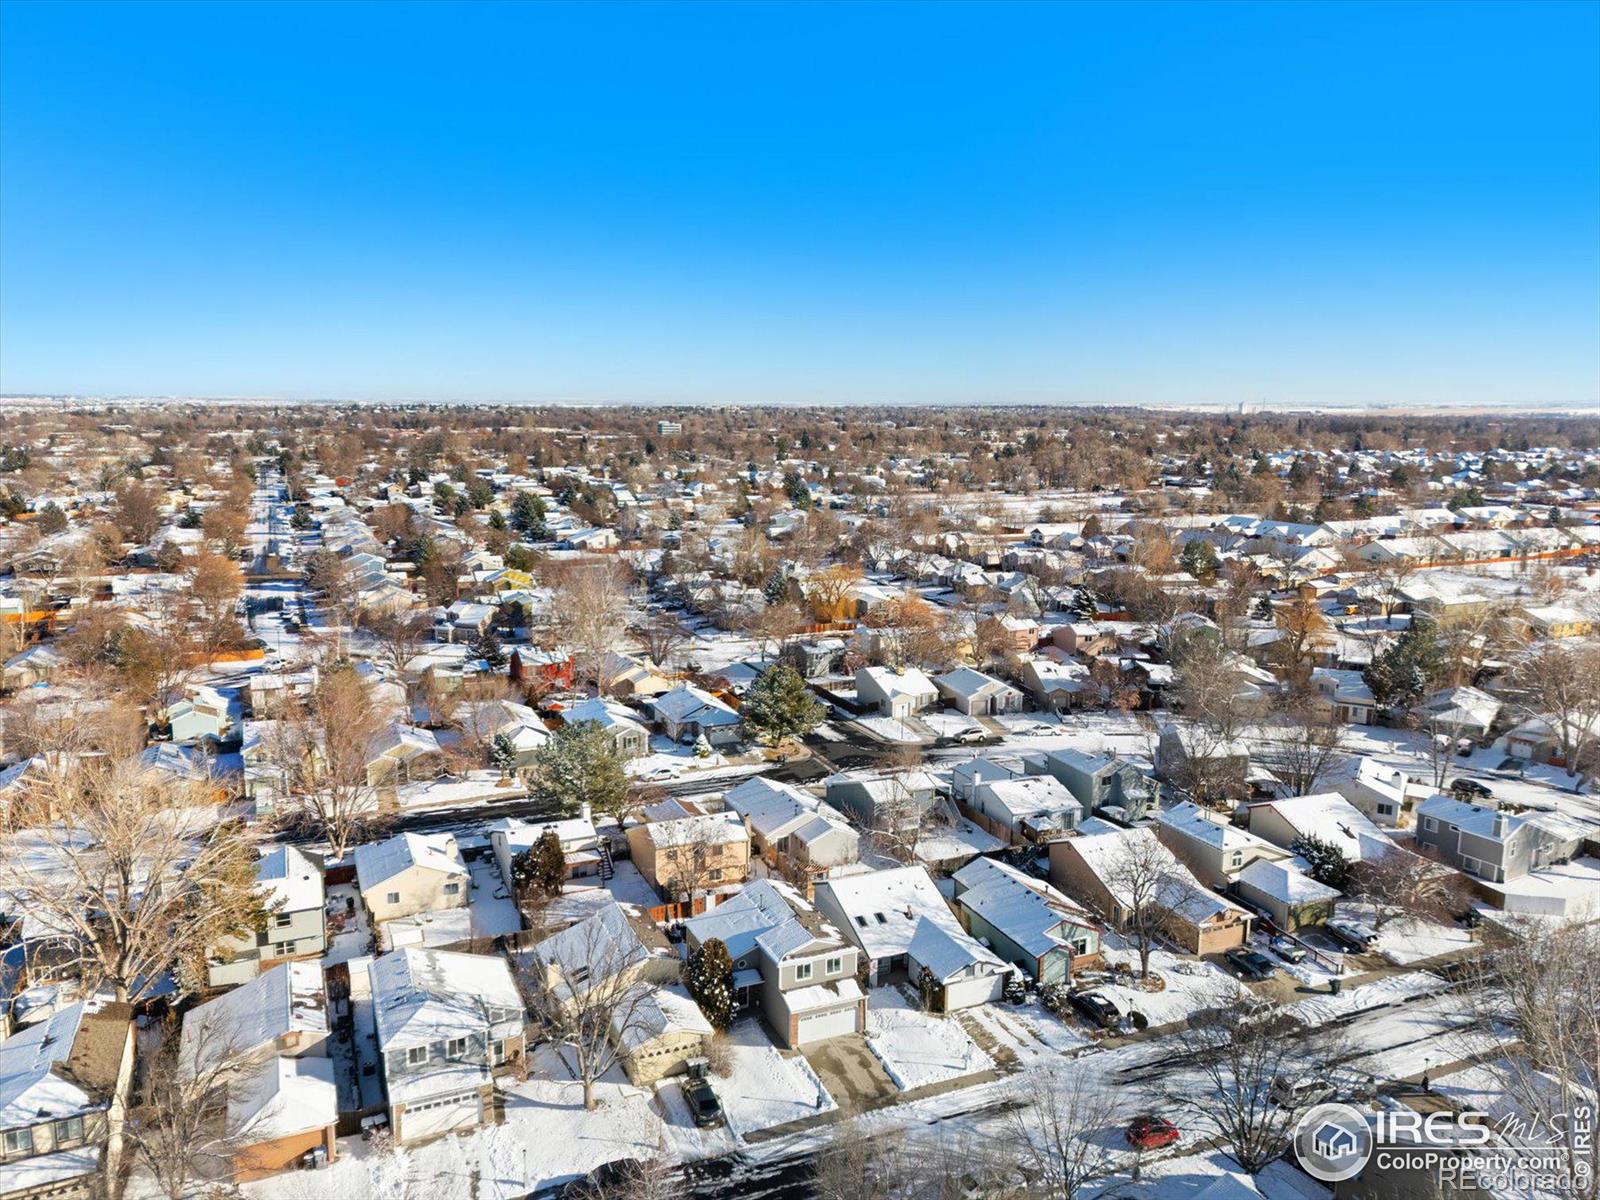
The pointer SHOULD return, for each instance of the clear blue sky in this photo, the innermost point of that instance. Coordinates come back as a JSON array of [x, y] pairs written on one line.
[[1164, 203]]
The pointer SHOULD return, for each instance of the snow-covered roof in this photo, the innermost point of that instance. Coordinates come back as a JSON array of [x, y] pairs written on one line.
[[662, 1011], [1329, 817], [1282, 881], [422, 996], [946, 952], [291, 875], [283, 1000], [378, 862], [1028, 911], [765, 915], [282, 1096], [31, 1089], [686, 703], [883, 908]]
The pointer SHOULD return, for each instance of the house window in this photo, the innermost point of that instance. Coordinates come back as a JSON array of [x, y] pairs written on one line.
[[714, 874], [1429, 824], [835, 964], [69, 1130], [19, 1141], [456, 1048], [802, 970], [392, 898], [416, 1055], [452, 889], [283, 949], [283, 920], [499, 1051]]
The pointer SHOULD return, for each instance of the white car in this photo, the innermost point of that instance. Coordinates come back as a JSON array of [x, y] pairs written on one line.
[[659, 774]]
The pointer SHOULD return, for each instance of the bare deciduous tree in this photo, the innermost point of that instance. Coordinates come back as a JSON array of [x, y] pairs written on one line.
[[1056, 1135], [322, 756], [178, 1127], [591, 604], [1143, 879]]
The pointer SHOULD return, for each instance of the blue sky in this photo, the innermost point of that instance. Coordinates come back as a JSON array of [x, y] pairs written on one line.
[[1350, 203]]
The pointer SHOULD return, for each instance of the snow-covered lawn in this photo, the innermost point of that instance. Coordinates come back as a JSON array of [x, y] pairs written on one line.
[[948, 724], [767, 1088], [1028, 1029], [547, 1137], [451, 791], [1407, 940], [915, 1047], [1392, 989], [1190, 985], [889, 729]]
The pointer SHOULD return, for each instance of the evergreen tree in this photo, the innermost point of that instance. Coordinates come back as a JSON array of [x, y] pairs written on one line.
[[542, 868], [1328, 864], [502, 755], [580, 764], [527, 515], [1199, 559], [1085, 604], [487, 647], [709, 978], [1401, 674], [777, 589], [779, 706]]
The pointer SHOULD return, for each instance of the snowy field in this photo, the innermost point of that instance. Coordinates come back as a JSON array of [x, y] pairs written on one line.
[[767, 1088], [1190, 985], [918, 1048]]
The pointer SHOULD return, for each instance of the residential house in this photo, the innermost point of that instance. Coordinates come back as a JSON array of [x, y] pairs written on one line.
[[792, 831], [1344, 695], [1023, 811], [889, 800], [633, 678], [1026, 921], [1377, 792], [659, 1034], [1492, 844], [620, 722], [1215, 851], [1187, 753], [1458, 712], [271, 1036], [788, 960], [1096, 869], [205, 715], [37, 664], [64, 1086], [896, 694], [403, 754], [1057, 685], [617, 945], [446, 1024], [1285, 892], [484, 722], [976, 694], [289, 882], [1327, 816], [686, 714], [1538, 739], [902, 925], [1102, 781], [682, 858], [580, 844], [411, 873]]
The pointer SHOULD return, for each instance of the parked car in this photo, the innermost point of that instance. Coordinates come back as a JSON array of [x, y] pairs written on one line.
[[1287, 949], [1097, 1008], [659, 775], [1351, 935], [1471, 787], [1250, 965], [1300, 1093], [1151, 1132], [969, 737], [704, 1106]]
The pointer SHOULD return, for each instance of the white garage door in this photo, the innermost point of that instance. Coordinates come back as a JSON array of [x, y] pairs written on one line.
[[433, 1117], [964, 993], [816, 1026]]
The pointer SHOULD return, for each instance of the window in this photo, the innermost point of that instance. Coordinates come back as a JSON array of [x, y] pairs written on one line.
[[283, 920], [1429, 824], [416, 1055], [19, 1141], [835, 964], [70, 1130], [392, 898], [452, 889], [499, 1051], [714, 874], [283, 949], [1386, 810], [456, 1048], [802, 970]]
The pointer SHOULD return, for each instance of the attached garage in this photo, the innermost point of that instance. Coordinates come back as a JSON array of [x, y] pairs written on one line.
[[430, 1118], [815, 1026]]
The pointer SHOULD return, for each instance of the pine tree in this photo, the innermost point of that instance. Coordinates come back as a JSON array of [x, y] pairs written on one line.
[[1327, 862], [1199, 559], [779, 706], [502, 755], [580, 764], [777, 590], [709, 978], [1085, 604], [487, 647], [541, 869]]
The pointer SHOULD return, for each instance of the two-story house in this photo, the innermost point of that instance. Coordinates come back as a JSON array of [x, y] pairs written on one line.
[[1492, 844], [270, 1039], [787, 960], [1026, 921], [446, 1024], [411, 873], [1024, 810], [1215, 851], [792, 831], [1101, 781], [64, 1086], [289, 882], [684, 857]]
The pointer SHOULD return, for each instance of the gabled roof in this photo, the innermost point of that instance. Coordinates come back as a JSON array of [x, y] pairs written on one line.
[[686, 703], [377, 862], [766, 916], [422, 996], [33, 1081], [286, 999], [1332, 818]]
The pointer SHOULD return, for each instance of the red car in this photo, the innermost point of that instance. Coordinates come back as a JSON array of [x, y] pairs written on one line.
[[1151, 1133]]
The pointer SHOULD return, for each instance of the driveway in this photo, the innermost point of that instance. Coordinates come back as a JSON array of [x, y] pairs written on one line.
[[852, 1074]]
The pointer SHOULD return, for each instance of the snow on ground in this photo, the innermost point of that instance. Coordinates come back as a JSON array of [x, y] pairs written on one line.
[[918, 1048], [1029, 1030], [1424, 1035], [1407, 940], [348, 935], [490, 913], [1191, 985], [948, 724], [767, 1088], [547, 1137], [890, 729], [685, 1140], [1392, 989], [1213, 1176], [452, 791]]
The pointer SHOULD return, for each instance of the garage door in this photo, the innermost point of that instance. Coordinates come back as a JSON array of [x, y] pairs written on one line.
[[433, 1117], [816, 1026], [964, 993]]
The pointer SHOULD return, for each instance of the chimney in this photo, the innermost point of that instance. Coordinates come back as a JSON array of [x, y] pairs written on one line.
[[583, 810], [1499, 824]]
